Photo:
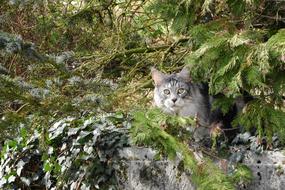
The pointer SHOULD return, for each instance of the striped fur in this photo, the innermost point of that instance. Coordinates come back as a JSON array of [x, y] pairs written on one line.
[[194, 101]]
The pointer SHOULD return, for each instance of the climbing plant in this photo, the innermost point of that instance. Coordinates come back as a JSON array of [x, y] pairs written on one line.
[[67, 62]]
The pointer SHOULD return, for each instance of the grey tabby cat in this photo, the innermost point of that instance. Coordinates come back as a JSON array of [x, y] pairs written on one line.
[[176, 94]]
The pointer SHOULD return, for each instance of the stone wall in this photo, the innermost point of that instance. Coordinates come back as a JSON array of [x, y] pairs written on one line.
[[268, 169], [143, 172]]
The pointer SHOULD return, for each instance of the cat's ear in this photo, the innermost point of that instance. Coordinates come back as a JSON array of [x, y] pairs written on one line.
[[157, 76], [185, 74]]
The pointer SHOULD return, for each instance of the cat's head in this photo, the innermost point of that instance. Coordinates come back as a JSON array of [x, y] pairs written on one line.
[[172, 91]]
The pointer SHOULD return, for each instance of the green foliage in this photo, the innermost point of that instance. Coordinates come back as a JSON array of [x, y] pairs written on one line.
[[174, 125], [180, 14], [52, 98], [80, 153], [266, 119], [235, 46], [234, 63], [147, 130], [242, 175]]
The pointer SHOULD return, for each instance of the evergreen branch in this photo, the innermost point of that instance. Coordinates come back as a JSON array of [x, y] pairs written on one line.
[[128, 52], [173, 45], [139, 50], [146, 130]]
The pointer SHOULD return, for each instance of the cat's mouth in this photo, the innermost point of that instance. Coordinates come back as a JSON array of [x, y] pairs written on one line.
[[173, 107]]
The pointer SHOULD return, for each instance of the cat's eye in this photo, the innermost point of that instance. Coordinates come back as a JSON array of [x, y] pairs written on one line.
[[166, 91], [181, 90]]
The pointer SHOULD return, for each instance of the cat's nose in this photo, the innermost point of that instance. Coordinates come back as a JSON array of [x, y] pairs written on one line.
[[174, 100]]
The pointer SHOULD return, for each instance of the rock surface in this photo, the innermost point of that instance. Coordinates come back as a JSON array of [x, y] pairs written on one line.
[[143, 172], [268, 170]]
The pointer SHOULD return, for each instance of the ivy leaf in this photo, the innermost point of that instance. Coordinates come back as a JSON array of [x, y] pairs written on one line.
[[10, 179], [72, 131], [23, 131], [57, 132], [55, 126], [50, 150], [61, 159], [47, 180], [85, 187], [47, 166], [82, 137], [20, 166], [87, 122], [25, 181], [36, 176], [2, 182], [88, 149], [12, 143]]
